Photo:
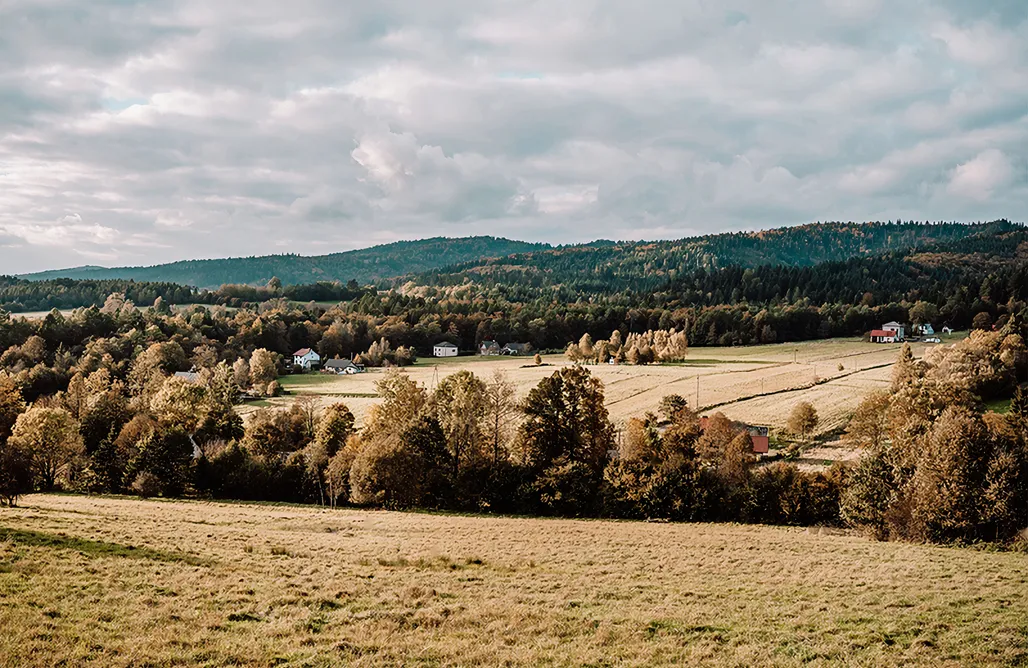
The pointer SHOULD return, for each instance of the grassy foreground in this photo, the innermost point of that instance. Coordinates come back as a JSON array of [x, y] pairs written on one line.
[[120, 582]]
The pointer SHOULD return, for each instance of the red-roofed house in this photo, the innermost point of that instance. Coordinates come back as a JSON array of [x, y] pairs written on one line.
[[305, 358], [884, 336]]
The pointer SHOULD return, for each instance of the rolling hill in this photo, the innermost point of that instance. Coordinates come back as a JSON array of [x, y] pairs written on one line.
[[366, 265], [597, 266], [643, 266]]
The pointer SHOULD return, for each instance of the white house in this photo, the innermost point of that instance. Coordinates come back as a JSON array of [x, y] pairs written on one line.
[[927, 329], [343, 367], [444, 349], [305, 358], [898, 328]]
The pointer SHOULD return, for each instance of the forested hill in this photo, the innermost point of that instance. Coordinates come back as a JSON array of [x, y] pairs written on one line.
[[643, 266], [366, 265]]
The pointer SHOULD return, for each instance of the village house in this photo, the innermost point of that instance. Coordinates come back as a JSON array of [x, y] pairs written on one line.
[[341, 367], [444, 349], [306, 359], [489, 348], [899, 328], [883, 336], [517, 349], [925, 329]]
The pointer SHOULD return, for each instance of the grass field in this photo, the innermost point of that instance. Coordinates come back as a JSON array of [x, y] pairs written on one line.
[[757, 384], [123, 582]]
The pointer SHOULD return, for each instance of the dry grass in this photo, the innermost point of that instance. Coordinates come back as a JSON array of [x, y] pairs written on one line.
[[727, 378], [226, 584]]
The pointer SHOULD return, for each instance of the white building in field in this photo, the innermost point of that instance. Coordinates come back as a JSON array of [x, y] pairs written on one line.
[[896, 327], [305, 358], [444, 349]]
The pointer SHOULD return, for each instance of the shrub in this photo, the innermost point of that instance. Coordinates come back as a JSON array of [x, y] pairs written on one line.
[[146, 485]]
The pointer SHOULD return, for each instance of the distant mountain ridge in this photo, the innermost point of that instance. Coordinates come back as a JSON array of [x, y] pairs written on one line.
[[641, 266], [366, 265], [597, 266]]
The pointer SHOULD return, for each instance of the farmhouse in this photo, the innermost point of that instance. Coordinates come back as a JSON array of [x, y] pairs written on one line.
[[341, 367], [489, 348], [900, 329], [444, 349], [516, 349], [925, 329], [305, 358], [883, 336], [759, 435]]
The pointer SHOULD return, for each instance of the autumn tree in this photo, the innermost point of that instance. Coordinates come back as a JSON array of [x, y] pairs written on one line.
[[803, 419], [868, 428], [331, 435], [15, 464], [460, 405], [565, 417], [50, 438], [263, 369], [11, 406], [402, 402], [501, 410]]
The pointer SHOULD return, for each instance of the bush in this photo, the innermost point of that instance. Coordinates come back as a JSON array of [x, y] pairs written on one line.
[[567, 488], [146, 485]]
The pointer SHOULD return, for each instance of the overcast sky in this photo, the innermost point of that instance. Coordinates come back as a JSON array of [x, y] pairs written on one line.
[[144, 132]]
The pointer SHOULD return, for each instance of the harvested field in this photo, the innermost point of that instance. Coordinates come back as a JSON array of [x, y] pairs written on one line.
[[122, 582], [759, 384]]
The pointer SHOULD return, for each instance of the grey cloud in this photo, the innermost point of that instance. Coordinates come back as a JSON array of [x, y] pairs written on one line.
[[144, 131]]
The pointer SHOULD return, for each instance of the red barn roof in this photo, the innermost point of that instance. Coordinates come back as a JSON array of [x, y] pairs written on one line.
[[883, 332]]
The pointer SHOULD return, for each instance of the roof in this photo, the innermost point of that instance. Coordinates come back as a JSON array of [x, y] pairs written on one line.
[[517, 346], [883, 332], [490, 344], [338, 364], [889, 324], [303, 351], [445, 344], [191, 376]]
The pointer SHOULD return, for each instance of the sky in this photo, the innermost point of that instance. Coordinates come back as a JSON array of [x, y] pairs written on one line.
[[140, 132]]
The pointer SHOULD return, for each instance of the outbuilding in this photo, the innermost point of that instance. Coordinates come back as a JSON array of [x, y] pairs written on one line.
[[444, 349]]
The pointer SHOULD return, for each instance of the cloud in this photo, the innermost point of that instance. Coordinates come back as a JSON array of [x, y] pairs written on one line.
[[139, 132], [980, 177]]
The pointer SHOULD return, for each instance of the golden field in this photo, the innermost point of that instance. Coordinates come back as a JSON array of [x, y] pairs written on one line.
[[123, 582], [713, 379]]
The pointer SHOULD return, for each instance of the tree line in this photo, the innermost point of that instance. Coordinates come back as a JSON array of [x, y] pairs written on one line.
[[91, 402]]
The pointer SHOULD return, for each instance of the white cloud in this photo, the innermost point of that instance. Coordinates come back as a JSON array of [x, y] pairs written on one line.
[[187, 128], [980, 177]]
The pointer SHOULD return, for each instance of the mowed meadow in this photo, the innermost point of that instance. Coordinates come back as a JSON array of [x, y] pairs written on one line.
[[756, 384], [123, 582]]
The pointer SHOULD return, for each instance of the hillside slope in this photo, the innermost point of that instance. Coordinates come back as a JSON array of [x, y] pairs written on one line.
[[643, 266], [366, 265]]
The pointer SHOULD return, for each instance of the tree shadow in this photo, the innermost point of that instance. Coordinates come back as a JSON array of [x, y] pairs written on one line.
[[95, 548]]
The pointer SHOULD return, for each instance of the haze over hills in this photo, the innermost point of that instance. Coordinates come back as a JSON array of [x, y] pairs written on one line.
[[606, 264]]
